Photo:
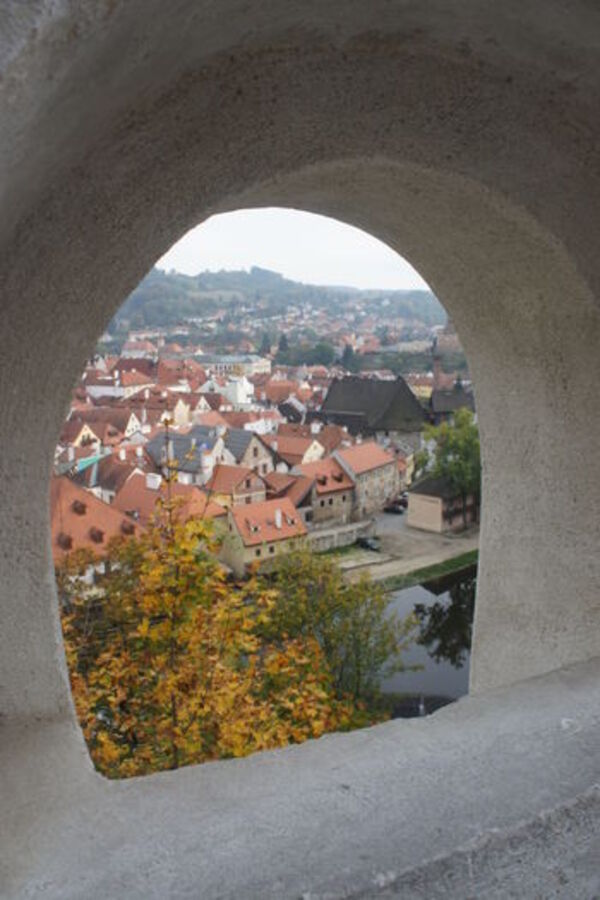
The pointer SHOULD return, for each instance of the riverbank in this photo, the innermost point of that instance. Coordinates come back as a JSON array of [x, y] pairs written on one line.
[[432, 557], [429, 573]]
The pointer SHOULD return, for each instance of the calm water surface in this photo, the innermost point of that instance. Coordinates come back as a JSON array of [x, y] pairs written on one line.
[[444, 609]]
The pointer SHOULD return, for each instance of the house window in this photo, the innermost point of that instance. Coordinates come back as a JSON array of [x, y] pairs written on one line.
[[248, 483], [343, 498], [257, 552], [271, 549], [322, 503], [331, 501], [248, 500], [255, 451]]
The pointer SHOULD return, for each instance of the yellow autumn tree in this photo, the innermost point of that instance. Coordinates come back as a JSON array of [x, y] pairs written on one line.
[[170, 665]]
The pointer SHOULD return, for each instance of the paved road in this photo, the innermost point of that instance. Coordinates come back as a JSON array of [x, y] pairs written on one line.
[[405, 549]]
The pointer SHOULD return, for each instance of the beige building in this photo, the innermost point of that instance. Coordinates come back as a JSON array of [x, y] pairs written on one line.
[[434, 506], [245, 448], [261, 532], [332, 492], [235, 485], [375, 474]]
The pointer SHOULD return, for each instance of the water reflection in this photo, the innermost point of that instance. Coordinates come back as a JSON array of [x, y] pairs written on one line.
[[445, 627], [444, 609]]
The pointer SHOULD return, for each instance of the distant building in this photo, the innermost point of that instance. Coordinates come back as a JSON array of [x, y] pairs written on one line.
[[293, 450], [139, 495], [375, 474], [374, 408], [261, 532], [244, 448], [445, 402], [235, 485], [332, 491], [434, 506], [79, 521], [139, 350], [235, 363], [192, 455]]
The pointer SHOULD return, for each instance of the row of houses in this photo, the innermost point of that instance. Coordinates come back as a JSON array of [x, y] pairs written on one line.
[[268, 458]]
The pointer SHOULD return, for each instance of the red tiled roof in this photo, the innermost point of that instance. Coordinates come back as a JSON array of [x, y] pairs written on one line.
[[225, 479], [278, 482], [290, 447], [133, 379], [214, 400], [365, 457], [212, 418], [81, 521], [256, 523], [328, 475], [299, 489], [278, 390], [135, 497], [139, 345], [329, 437]]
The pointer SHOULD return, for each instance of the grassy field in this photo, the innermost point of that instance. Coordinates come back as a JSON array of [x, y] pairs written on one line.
[[340, 552], [397, 582]]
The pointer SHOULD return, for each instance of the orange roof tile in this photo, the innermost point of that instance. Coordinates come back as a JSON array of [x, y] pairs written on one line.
[[138, 499], [365, 457], [278, 482], [80, 521], [256, 523], [225, 479], [212, 418], [328, 475], [290, 447]]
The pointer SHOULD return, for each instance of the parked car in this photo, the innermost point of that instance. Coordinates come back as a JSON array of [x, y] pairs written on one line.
[[370, 543], [395, 506]]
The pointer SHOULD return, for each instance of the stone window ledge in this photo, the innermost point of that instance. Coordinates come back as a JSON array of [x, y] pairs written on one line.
[[496, 793]]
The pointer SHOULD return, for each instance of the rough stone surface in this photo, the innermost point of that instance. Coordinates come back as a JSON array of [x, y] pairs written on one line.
[[465, 135], [495, 796]]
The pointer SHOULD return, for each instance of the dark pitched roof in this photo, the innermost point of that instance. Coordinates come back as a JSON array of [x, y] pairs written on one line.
[[434, 487], [109, 473], [185, 450], [237, 440], [448, 401], [369, 405]]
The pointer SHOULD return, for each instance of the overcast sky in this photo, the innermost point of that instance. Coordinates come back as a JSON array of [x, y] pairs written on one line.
[[300, 245]]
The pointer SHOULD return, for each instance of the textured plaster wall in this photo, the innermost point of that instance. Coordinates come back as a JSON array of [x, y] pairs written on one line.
[[463, 134]]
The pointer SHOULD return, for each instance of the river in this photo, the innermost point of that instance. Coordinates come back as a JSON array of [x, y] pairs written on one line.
[[444, 611]]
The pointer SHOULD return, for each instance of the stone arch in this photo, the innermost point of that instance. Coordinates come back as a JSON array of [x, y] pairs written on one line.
[[467, 145]]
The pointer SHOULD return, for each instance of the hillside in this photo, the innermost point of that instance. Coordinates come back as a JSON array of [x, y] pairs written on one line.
[[170, 298]]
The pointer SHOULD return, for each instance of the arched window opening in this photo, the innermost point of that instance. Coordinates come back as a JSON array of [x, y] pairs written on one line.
[[266, 498]]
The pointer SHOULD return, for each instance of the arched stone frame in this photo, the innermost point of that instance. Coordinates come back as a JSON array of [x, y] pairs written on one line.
[[470, 155]]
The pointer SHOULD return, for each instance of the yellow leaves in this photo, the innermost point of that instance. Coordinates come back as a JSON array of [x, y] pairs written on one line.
[[143, 628], [107, 751], [172, 665]]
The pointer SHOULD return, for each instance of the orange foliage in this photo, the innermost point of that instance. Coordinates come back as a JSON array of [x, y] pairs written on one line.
[[169, 664]]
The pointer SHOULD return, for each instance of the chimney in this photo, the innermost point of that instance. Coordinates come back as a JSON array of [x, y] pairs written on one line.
[[278, 518], [139, 452], [147, 394], [71, 453], [274, 446], [122, 454], [153, 481]]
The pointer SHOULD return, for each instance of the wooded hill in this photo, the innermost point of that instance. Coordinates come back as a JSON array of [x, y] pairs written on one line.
[[170, 298]]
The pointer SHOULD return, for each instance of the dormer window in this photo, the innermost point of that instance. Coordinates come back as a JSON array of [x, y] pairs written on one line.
[[64, 541], [79, 507], [96, 535]]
